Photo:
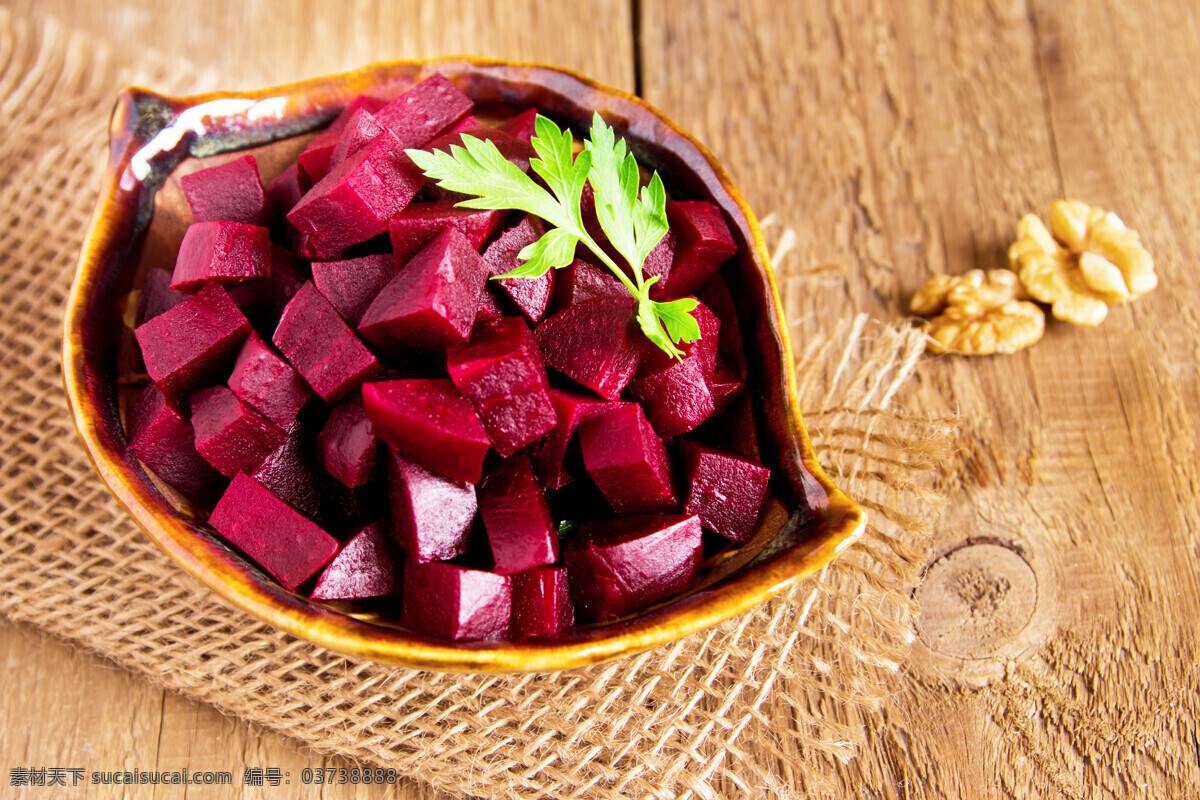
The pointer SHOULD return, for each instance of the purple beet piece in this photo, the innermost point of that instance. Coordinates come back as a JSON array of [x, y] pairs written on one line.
[[521, 126], [232, 192], [193, 341], [618, 566], [703, 244], [628, 461], [354, 201], [289, 474], [424, 111], [322, 348], [467, 123], [455, 603], [428, 421], [157, 296], [279, 538], [517, 518], [594, 343], [676, 394], [724, 490], [541, 602], [314, 161], [416, 226], [431, 515], [367, 566], [726, 386], [263, 300], [164, 441], [221, 252], [550, 457], [582, 280], [352, 284], [530, 295], [283, 192], [717, 297], [489, 308], [264, 380], [431, 302], [231, 435], [346, 447], [361, 129], [502, 373]]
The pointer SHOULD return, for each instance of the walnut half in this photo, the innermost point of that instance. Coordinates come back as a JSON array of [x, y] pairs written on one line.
[[1090, 262], [978, 314]]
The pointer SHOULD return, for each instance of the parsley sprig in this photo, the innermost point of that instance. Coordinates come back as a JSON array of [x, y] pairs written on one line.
[[633, 217]]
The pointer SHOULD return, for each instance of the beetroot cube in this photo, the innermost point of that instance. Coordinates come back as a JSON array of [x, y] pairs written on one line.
[[193, 341], [582, 280], [467, 123], [530, 295], [354, 201], [627, 461], [288, 472], [431, 423], [283, 541], [416, 226], [455, 603], [164, 441], [283, 192], [314, 161], [157, 296], [725, 490], [618, 566], [351, 285], [424, 111], [572, 410], [346, 447], [517, 518], [268, 383], [726, 385], [703, 244], [221, 252], [594, 343], [231, 435], [502, 373], [431, 515], [489, 308], [676, 394], [322, 348], [263, 301], [367, 566], [541, 602], [658, 261], [361, 129], [232, 192], [431, 302], [717, 298], [521, 126]]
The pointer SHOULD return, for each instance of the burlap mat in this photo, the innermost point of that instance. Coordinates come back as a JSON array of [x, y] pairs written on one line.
[[766, 704]]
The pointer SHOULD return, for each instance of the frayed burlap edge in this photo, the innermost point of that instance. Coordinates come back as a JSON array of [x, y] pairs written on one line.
[[766, 704]]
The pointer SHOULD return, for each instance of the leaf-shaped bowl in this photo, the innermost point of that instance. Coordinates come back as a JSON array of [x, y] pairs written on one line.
[[140, 218]]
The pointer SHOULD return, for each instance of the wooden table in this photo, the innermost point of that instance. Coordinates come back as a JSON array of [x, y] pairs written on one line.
[[1058, 652]]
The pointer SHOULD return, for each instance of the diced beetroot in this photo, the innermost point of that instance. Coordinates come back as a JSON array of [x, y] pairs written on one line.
[[322, 348], [283, 192], [517, 518], [157, 296], [232, 192], [530, 295], [541, 602], [193, 341], [221, 252], [354, 201], [582, 280], [725, 490], [346, 447], [467, 123], [431, 515], [288, 472], [550, 458], [502, 373], [367, 566], [717, 297], [594, 343], [455, 603], [424, 111], [283, 541], [521, 126], [416, 226], [361, 129], [676, 394], [618, 566], [164, 441], [489, 308], [231, 435], [268, 383], [703, 243], [314, 161], [263, 301], [431, 302], [627, 461], [352, 284], [431, 423], [726, 386]]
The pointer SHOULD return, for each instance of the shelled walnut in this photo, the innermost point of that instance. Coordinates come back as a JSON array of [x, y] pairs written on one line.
[[978, 314], [1086, 261]]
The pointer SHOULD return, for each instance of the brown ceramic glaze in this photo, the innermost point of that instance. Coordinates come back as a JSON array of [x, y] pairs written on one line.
[[140, 217]]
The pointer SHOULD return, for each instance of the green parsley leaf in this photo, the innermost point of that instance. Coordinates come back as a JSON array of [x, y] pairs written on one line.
[[555, 249], [676, 316]]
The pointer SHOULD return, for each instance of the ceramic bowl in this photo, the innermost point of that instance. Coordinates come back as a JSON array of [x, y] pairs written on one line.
[[140, 218]]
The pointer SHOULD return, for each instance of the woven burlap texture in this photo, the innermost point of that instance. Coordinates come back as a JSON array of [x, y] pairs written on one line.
[[767, 704]]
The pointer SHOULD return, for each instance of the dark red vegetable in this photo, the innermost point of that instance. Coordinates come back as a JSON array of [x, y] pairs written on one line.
[[231, 191], [322, 348], [265, 381], [517, 519], [725, 490], [595, 343], [163, 440], [627, 461], [231, 435], [541, 602], [346, 447], [453, 602], [367, 566]]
